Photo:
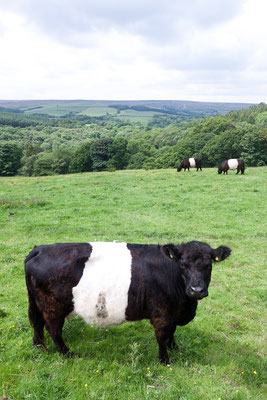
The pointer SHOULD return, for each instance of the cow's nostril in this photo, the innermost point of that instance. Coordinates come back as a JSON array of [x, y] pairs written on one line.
[[197, 289], [197, 292]]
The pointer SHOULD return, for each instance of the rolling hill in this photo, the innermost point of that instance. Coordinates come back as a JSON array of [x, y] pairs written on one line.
[[132, 110]]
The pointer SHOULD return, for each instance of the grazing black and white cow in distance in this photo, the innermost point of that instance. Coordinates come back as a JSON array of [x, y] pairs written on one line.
[[233, 163], [111, 283], [190, 163]]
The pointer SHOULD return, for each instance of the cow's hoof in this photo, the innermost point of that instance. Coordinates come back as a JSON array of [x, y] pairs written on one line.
[[39, 345], [164, 361]]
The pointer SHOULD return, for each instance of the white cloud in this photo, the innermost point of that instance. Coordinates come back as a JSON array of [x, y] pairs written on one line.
[[149, 18], [114, 49]]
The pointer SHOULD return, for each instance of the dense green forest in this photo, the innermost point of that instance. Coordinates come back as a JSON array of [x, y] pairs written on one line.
[[38, 144]]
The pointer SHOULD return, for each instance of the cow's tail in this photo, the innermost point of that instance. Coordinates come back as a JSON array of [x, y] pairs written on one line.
[[35, 316]]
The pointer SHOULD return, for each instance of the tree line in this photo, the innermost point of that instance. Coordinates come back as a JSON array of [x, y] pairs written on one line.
[[38, 145]]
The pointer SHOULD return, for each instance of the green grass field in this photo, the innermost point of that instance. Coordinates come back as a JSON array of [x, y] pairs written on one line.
[[137, 116], [98, 110], [221, 353], [57, 109], [91, 109]]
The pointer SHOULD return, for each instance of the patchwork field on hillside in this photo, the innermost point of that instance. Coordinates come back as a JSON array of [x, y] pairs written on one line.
[[138, 110]]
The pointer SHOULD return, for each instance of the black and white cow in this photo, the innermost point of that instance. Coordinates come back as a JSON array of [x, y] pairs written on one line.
[[233, 163], [111, 283], [190, 163]]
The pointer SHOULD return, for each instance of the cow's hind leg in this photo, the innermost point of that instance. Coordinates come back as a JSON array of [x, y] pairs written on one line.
[[37, 321], [38, 336], [54, 327]]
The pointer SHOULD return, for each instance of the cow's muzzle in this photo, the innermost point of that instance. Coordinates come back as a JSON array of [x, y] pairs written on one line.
[[197, 292]]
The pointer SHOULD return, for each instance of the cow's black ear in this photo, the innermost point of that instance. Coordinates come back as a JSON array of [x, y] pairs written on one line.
[[221, 253], [170, 251]]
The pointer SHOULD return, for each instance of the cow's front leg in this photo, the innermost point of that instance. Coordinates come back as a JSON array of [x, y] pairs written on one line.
[[171, 341], [162, 332]]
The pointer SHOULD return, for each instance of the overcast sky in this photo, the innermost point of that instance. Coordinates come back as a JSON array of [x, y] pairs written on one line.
[[203, 50]]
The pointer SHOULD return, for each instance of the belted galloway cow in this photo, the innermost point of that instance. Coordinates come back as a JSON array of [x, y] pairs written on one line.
[[233, 163], [188, 163], [111, 283]]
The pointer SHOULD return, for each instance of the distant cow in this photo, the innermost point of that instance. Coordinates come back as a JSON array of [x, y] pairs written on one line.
[[111, 283], [233, 163], [190, 162]]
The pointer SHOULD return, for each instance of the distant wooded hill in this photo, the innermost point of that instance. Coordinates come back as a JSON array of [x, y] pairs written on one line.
[[132, 111], [34, 143]]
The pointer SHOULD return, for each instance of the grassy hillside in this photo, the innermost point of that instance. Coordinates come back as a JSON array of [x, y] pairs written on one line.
[[221, 353]]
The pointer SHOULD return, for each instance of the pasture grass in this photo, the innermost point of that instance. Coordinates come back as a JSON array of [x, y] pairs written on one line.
[[221, 353], [138, 116], [98, 110], [57, 109], [91, 109]]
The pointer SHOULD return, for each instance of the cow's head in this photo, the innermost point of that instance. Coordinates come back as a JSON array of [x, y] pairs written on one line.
[[219, 170], [194, 259]]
